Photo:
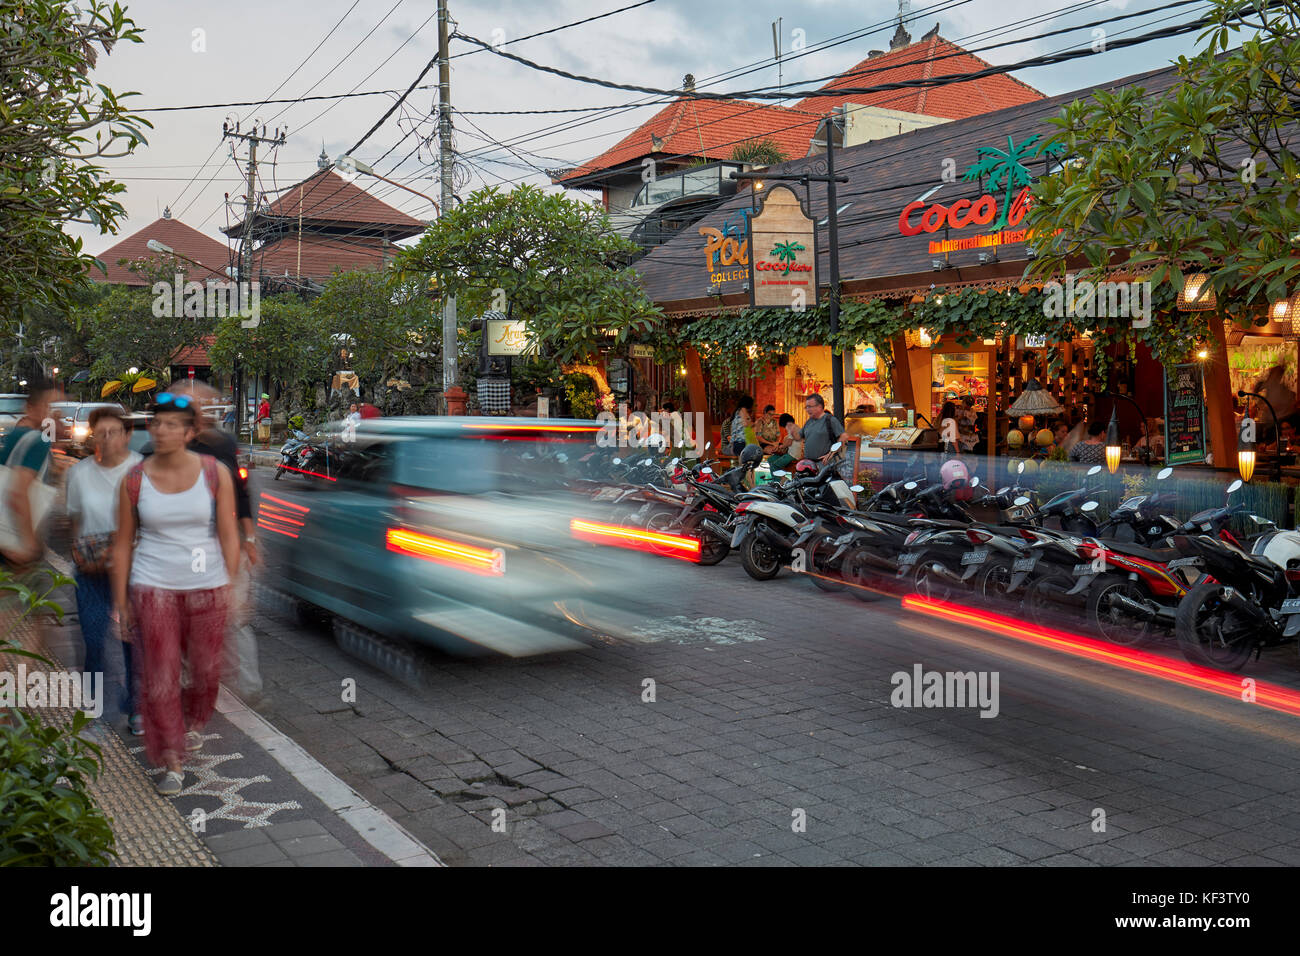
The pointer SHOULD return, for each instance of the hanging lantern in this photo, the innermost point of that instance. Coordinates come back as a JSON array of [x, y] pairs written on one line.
[[1197, 295], [1280, 310], [1113, 447], [1246, 449], [1026, 423]]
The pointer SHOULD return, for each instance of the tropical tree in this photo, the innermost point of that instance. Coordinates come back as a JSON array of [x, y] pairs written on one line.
[[547, 260], [56, 123], [288, 344], [759, 152], [1203, 177], [122, 330]]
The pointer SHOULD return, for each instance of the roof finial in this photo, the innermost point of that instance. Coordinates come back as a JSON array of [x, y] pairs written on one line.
[[688, 83], [901, 37], [322, 161], [167, 212]]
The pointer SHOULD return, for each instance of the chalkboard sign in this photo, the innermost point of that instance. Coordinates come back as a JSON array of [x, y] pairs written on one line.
[[1185, 415]]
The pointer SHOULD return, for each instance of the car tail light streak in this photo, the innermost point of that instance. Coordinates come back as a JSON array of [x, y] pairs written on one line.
[[281, 516], [670, 544], [490, 562]]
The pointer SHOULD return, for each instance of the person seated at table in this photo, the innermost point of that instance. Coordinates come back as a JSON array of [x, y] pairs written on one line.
[[790, 448], [1154, 440], [1092, 450]]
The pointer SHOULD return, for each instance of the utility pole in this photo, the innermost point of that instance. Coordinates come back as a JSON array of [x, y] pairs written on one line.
[[450, 348], [837, 357], [252, 138]]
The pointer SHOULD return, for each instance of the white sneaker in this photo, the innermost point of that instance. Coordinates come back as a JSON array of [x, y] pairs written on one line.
[[193, 741], [171, 783]]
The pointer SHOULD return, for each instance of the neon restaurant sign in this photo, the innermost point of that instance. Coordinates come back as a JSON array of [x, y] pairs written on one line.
[[1002, 213]]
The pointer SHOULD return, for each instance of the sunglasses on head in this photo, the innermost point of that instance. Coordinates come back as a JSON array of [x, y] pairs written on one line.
[[179, 401]]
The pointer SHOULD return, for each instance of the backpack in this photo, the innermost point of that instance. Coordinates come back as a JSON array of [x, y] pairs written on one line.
[[136, 474]]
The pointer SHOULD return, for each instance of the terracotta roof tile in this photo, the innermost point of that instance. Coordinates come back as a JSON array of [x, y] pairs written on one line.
[[321, 256], [187, 241], [328, 198]]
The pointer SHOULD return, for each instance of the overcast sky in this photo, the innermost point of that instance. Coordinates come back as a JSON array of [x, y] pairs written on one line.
[[205, 51]]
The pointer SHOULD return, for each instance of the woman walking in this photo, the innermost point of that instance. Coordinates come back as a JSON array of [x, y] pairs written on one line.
[[92, 506], [171, 583]]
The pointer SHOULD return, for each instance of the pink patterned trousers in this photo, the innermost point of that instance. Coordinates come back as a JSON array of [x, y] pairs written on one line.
[[176, 626]]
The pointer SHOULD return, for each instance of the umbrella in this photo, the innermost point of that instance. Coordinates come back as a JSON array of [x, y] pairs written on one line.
[[109, 388], [143, 385], [1034, 400]]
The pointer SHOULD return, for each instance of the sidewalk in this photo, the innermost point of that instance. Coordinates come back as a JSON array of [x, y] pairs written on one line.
[[252, 796]]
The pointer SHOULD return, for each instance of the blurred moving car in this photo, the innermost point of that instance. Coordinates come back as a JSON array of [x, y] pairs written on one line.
[[63, 414], [464, 533]]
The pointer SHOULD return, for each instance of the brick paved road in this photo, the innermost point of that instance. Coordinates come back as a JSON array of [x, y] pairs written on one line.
[[794, 714]]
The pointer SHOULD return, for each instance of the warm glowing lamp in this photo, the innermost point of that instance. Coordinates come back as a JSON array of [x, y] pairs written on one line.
[[1113, 447], [1197, 294], [1246, 449]]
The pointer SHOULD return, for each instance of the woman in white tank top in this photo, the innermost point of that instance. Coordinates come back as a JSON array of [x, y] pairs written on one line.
[[176, 551]]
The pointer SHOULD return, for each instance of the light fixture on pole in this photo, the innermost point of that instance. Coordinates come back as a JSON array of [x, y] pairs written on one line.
[[1113, 448], [350, 166], [1246, 449], [1277, 435]]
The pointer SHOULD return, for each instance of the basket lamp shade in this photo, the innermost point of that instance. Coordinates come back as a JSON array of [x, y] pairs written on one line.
[[1197, 295], [1246, 449], [1113, 447], [1034, 400]]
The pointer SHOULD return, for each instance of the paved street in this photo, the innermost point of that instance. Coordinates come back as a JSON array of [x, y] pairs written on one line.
[[771, 739]]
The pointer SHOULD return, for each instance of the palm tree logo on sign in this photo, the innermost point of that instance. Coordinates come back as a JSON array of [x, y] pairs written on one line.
[[787, 252]]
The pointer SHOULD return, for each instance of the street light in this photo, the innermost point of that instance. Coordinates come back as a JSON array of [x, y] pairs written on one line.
[[351, 166], [1113, 447], [1277, 435]]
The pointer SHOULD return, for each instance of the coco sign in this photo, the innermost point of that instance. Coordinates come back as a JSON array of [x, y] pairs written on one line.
[[783, 259]]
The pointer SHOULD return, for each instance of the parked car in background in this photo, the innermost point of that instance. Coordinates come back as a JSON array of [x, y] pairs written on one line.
[[11, 409], [63, 414], [138, 437]]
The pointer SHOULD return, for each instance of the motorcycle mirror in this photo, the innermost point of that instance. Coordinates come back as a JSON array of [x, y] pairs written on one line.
[[779, 473], [708, 445], [975, 482], [1234, 486], [910, 486], [674, 461], [1021, 501], [618, 461], [1002, 491], [648, 461], [837, 446], [1164, 473], [1020, 468], [1088, 506], [856, 489], [706, 470], [1094, 470]]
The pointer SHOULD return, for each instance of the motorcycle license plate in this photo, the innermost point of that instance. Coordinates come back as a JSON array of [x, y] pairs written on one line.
[[1082, 569], [1291, 606], [1025, 564], [974, 557], [909, 557]]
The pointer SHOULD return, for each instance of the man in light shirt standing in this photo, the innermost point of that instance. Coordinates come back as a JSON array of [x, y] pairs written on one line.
[[92, 506]]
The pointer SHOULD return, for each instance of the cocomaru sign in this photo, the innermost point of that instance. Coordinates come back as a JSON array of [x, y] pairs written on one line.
[[783, 247]]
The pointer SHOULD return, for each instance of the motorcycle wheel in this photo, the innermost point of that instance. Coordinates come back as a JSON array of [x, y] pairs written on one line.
[[713, 547], [761, 562], [661, 522], [1210, 632], [1116, 623], [992, 582], [825, 578], [931, 586], [1048, 600], [279, 470], [868, 582]]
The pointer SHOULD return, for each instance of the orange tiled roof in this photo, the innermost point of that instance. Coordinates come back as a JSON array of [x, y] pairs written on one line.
[[916, 61], [321, 256], [328, 198], [706, 129], [710, 128], [187, 241]]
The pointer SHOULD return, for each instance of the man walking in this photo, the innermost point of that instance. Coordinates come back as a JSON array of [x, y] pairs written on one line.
[[820, 431]]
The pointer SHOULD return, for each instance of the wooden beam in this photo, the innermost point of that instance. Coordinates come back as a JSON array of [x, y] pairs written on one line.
[[699, 398]]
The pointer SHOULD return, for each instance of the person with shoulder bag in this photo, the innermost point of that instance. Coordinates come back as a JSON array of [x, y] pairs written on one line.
[[174, 556], [92, 507], [25, 498]]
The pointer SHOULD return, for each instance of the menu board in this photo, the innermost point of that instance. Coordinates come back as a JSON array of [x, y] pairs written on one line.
[[1185, 415]]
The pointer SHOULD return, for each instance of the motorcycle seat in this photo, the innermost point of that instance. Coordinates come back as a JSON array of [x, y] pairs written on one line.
[[885, 517], [938, 523], [1159, 556]]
